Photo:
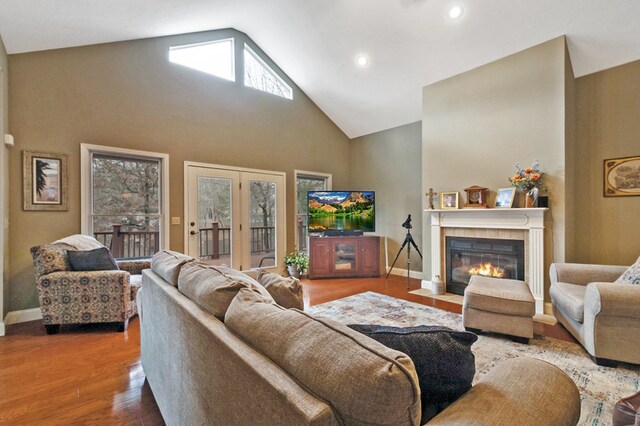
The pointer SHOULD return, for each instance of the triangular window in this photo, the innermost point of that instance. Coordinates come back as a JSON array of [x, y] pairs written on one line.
[[214, 57], [259, 75]]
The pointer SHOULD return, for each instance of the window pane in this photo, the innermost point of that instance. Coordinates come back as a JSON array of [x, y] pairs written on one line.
[[304, 185], [126, 204], [214, 214], [215, 58], [262, 210], [258, 75]]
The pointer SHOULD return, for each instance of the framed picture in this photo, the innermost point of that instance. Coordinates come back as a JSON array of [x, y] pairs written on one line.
[[44, 181], [622, 177], [505, 196], [449, 200]]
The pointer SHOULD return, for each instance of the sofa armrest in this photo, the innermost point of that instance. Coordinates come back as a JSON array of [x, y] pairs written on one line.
[[583, 274], [519, 391], [134, 267], [619, 300]]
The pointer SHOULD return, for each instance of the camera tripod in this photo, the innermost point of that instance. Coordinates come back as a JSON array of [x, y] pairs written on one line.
[[408, 242]]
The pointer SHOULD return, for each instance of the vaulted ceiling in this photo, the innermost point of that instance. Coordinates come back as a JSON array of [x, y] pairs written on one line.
[[409, 43]]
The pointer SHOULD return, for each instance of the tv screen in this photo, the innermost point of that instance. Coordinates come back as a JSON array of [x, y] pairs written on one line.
[[342, 211]]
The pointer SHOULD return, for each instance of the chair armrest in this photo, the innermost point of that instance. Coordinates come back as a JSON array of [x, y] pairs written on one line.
[[583, 274], [619, 300], [519, 391], [134, 267], [75, 281]]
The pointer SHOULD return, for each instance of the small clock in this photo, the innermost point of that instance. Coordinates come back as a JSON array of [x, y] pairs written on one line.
[[476, 196]]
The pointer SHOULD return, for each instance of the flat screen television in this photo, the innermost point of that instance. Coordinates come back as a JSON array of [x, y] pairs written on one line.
[[342, 211]]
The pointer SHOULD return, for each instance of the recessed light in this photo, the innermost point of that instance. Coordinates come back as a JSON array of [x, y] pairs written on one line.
[[455, 12], [362, 61]]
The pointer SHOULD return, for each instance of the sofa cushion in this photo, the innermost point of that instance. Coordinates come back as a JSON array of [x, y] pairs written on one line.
[[366, 382], [50, 258], [167, 264], [98, 259], [631, 275], [214, 287], [286, 291], [569, 298], [442, 357]]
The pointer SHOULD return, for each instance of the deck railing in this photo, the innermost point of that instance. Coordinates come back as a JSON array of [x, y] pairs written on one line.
[[129, 244], [215, 241]]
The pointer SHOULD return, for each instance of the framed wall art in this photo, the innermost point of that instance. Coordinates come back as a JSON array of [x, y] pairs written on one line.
[[622, 177], [449, 200], [505, 196], [45, 184]]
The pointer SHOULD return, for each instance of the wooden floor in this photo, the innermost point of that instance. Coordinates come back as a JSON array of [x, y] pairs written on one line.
[[91, 375]]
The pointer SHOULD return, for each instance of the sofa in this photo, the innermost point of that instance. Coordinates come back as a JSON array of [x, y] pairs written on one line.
[[70, 296], [250, 361], [603, 315]]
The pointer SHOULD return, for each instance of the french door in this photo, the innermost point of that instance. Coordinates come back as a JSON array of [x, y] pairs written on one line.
[[234, 217]]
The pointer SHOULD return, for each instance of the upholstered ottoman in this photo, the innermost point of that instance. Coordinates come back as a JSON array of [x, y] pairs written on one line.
[[499, 305]]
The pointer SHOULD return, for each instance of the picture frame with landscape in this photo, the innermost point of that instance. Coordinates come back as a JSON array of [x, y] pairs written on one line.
[[504, 197], [622, 177], [45, 181], [449, 200]]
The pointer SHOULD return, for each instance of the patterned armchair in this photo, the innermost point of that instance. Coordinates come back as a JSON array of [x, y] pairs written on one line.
[[79, 297]]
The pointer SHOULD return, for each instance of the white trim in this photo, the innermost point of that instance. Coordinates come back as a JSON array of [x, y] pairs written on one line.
[[232, 168], [305, 173], [3, 330], [85, 184], [403, 273], [15, 317], [530, 220], [548, 308]]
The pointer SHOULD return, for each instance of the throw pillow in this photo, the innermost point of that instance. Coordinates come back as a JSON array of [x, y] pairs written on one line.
[[286, 291], [442, 357], [50, 258], [99, 259], [631, 275]]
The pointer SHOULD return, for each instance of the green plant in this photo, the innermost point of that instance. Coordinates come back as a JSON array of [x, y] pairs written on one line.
[[298, 259]]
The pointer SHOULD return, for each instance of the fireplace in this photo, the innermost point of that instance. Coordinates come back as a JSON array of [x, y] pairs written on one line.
[[498, 258]]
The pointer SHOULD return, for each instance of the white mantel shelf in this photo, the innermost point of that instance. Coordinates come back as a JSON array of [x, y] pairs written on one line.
[[530, 220]]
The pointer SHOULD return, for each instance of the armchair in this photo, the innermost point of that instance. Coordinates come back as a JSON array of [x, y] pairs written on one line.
[[81, 297], [602, 315]]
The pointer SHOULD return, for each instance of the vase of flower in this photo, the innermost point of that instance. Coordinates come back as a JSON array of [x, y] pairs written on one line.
[[529, 180]]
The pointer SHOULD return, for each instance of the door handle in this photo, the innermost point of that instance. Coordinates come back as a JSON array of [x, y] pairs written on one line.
[[193, 232]]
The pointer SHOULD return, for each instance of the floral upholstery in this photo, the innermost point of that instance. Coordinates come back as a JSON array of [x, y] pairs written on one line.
[[71, 297], [631, 275]]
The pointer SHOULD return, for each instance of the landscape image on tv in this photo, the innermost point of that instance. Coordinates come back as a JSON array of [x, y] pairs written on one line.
[[342, 210]]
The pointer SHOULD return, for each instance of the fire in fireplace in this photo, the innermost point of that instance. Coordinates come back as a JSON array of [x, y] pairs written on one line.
[[498, 258]]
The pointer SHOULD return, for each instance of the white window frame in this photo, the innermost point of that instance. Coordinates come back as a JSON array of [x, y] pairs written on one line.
[[86, 185], [304, 173]]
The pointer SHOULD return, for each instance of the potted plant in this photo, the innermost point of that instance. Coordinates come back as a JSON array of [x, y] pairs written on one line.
[[297, 263]]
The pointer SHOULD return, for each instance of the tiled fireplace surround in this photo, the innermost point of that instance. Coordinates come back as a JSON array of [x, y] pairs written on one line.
[[514, 224]]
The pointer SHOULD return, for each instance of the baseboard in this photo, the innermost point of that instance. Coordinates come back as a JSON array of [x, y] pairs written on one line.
[[403, 272], [548, 308], [2, 329], [25, 315], [426, 284]]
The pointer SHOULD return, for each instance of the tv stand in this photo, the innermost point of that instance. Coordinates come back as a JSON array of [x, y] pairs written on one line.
[[344, 257]]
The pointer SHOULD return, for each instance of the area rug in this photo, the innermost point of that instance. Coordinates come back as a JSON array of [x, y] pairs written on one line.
[[600, 387]]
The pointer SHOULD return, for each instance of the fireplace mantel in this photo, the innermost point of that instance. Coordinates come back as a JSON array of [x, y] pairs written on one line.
[[531, 220]]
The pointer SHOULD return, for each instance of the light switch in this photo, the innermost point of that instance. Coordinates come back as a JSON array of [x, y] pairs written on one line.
[[175, 220]]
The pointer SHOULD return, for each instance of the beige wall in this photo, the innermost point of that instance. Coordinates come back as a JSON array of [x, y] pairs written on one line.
[[4, 183], [608, 126], [478, 124], [388, 162], [128, 95]]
